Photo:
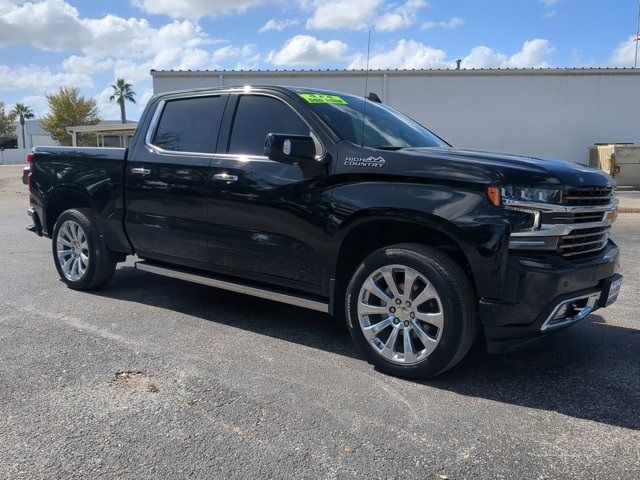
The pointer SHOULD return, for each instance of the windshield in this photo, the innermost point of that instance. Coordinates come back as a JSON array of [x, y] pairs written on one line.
[[384, 127]]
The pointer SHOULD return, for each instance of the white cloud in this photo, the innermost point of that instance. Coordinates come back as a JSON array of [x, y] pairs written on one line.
[[307, 50], [82, 64], [279, 25], [54, 25], [351, 14], [402, 16], [625, 53], [451, 23], [532, 55], [246, 53], [194, 8], [406, 54], [415, 55], [550, 14], [34, 77], [38, 104], [549, 3]]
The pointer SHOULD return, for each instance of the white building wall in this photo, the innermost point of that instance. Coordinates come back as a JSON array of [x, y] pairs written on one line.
[[14, 156], [549, 113]]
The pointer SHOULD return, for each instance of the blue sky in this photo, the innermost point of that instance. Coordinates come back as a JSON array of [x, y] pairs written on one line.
[[47, 43]]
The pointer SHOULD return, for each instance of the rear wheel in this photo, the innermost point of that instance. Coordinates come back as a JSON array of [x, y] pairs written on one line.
[[411, 310], [81, 255]]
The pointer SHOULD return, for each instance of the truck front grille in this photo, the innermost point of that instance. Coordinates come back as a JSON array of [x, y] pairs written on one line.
[[563, 218], [588, 196], [583, 241]]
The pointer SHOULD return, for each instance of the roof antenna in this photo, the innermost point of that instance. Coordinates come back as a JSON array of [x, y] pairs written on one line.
[[366, 86]]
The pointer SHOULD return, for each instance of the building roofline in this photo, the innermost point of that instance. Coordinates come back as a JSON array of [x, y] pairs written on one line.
[[109, 127], [400, 72]]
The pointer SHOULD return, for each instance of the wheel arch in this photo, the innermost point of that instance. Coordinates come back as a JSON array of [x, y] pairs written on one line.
[[60, 199], [370, 230]]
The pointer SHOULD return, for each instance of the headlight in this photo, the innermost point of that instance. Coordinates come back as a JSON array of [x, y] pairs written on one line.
[[520, 204], [527, 194]]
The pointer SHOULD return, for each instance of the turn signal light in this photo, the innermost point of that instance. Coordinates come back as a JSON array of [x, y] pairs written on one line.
[[494, 196]]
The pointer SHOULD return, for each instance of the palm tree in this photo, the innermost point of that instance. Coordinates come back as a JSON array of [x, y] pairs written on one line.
[[24, 113], [122, 92]]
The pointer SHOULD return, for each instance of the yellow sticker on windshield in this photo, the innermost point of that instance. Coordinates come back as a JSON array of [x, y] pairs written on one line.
[[322, 98]]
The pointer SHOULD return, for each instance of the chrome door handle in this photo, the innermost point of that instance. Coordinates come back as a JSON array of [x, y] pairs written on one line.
[[140, 171], [225, 177]]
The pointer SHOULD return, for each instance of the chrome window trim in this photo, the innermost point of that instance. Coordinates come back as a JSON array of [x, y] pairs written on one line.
[[240, 92], [155, 120]]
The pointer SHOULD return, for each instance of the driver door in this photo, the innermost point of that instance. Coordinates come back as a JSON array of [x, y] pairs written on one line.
[[266, 219]]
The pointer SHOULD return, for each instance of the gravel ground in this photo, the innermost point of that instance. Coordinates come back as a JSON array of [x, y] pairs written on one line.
[[153, 377]]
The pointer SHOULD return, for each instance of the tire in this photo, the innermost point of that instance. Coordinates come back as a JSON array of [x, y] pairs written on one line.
[[84, 262], [441, 294]]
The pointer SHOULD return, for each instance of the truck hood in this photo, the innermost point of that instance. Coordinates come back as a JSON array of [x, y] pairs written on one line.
[[479, 166]]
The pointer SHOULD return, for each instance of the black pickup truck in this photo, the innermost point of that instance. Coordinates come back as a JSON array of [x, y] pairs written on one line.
[[287, 194]]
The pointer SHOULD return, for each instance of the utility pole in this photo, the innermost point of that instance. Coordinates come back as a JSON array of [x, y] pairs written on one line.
[[635, 65]]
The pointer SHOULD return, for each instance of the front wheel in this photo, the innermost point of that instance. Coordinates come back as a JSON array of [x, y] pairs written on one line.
[[410, 309], [81, 256]]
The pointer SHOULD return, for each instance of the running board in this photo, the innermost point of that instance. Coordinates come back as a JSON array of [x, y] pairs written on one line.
[[233, 287]]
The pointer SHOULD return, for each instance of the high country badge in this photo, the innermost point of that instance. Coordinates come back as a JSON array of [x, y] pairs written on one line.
[[377, 162]]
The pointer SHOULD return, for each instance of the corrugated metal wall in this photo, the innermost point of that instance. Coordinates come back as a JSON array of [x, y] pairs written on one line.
[[555, 113]]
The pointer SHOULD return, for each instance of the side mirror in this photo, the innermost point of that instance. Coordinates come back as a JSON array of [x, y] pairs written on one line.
[[289, 148]]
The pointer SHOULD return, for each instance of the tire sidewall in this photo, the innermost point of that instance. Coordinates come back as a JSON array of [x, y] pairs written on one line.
[[92, 242], [452, 330]]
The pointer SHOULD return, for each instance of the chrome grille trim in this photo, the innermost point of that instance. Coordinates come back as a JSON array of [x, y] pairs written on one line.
[[588, 196], [579, 226], [583, 240], [584, 252]]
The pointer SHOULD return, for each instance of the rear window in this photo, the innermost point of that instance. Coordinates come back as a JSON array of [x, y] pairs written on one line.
[[189, 125]]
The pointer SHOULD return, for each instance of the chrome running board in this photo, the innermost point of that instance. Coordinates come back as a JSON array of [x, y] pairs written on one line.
[[204, 279]]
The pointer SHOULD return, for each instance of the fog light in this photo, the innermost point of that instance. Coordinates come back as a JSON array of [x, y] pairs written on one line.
[[561, 313]]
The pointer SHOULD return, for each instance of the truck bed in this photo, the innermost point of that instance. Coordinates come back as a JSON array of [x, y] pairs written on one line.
[[93, 174]]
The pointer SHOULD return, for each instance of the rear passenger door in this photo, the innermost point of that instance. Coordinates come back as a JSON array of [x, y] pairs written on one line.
[[267, 219], [167, 179]]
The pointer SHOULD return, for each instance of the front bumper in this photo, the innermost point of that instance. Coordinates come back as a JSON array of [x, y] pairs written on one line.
[[536, 287]]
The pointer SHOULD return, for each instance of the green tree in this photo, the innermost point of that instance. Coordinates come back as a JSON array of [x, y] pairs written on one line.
[[23, 113], [68, 108], [122, 93], [7, 124]]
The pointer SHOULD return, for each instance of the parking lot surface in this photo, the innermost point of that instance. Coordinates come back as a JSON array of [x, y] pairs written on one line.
[[154, 377]]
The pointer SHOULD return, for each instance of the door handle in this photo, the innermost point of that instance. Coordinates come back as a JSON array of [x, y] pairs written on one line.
[[225, 177], [140, 171]]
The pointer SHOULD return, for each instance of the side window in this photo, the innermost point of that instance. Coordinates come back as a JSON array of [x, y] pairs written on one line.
[[255, 117], [189, 124]]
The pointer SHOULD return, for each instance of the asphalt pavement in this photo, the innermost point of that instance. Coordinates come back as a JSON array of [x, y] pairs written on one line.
[[152, 377]]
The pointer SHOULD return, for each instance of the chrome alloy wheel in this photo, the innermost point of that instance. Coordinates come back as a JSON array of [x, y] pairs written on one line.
[[400, 314], [73, 250]]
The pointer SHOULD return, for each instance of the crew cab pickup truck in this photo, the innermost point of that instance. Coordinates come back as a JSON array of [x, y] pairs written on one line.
[[339, 204]]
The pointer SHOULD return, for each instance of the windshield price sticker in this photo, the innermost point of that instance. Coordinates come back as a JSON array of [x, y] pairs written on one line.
[[322, 98]]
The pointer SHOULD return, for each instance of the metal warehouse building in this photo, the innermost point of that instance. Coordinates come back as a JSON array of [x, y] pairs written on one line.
[[555, 113]]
